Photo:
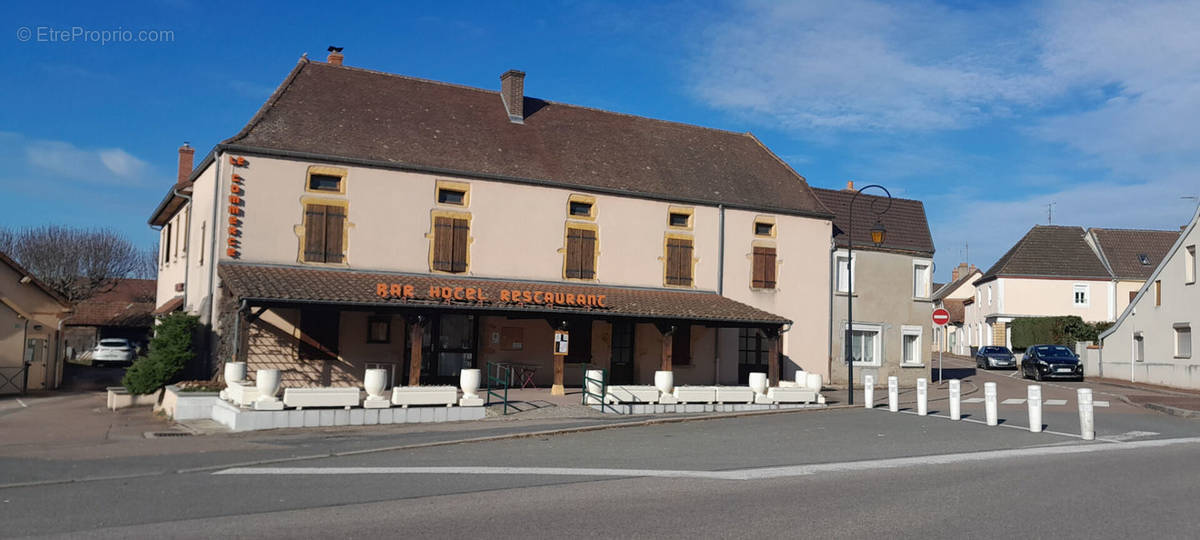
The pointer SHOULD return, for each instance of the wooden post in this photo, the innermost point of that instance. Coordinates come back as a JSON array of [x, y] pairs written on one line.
[[416, 335], [773, 357], [558, 389], [668, 334]]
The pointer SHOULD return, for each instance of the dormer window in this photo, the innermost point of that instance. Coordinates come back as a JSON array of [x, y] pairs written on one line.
[[1144, 259]]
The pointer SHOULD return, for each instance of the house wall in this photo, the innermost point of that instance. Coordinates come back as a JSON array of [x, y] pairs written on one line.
[[172, 256], [1052, 297], [883, 295], [27, 312], [1156, 323]]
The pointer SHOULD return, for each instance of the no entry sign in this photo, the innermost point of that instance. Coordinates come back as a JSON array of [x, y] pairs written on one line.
[[941, 317]]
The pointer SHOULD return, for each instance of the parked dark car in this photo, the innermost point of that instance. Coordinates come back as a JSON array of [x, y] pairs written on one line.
[[993, 356], [1051, 362]]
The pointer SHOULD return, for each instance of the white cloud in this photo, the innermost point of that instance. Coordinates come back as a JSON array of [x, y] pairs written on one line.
[[65, 160]]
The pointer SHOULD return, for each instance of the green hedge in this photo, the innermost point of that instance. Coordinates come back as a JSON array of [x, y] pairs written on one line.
[[1065, 330], [170, 350]]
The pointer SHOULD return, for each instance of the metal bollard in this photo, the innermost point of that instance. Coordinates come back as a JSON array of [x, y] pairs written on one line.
[[922, 397], [1087, 426], [989, 402], [955, 400], [1034, 399], [869, 391], [893, 394]]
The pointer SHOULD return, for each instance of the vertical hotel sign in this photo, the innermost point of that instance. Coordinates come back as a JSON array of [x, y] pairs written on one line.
[[237, 206]]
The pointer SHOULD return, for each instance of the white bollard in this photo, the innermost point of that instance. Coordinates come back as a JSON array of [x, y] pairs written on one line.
[[869, 391], [893, 394], [989, 402], [922, 397], [955, 400], [1034, 399], [1087, 426]]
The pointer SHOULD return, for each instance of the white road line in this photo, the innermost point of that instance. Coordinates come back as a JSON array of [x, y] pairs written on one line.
[[1013, 401], [1055, 402], [1098, 403], [740, 474], [22, 403], [973, 400]]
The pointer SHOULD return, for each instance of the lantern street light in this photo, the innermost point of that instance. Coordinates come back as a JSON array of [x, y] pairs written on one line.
[[878, 235]]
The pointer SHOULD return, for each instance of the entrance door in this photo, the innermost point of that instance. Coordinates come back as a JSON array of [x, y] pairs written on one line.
[[752, 354], [449, 347], [621, 369], [35, 359]]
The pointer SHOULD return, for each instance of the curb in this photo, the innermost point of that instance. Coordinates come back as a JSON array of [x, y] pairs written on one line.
[[1173, 411]]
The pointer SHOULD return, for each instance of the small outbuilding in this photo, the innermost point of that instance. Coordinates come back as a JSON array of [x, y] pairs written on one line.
[[31, 315]]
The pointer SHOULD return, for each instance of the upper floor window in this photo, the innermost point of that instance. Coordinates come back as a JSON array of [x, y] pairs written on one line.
[[580, 260], [453, 193], [1189, 264], [450, 238], [678, 267], [920, 279], [323, 179], [167, 236], [989, 293], [1081, 295], [762, 228], [679, 218], [324, 233], [1158, 292], [843, 275], [764, 268], [581, 207]]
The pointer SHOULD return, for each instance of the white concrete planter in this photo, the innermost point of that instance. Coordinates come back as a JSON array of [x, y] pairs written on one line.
[[468, 379], [332, 396], [593, 377], [235, 371], [375, 382], [664, 381], [813, 382], [792, 394], [120, 398], [758, 382], [801, 377], [696, 394], [241, 393], [632, 394], [267, 382], [735, 394], [424, 395]]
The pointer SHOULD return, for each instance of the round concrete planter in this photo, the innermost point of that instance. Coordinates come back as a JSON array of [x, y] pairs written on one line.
[[801, 377], [664, 381], [468, 379], [814, 382], [758, 382], [375, 382], [593, 384], [267, 382], [235, 371]]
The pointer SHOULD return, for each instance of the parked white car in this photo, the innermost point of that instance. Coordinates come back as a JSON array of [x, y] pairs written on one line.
[[113, 351]]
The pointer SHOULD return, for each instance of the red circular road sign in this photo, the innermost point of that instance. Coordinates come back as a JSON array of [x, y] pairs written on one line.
[[941, 317]]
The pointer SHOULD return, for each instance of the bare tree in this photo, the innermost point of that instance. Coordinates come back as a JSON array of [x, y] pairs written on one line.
[[78, 263]]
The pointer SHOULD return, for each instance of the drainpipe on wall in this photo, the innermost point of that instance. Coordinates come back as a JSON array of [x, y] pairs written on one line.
[[720, 290], [832, 292], [206, 315]]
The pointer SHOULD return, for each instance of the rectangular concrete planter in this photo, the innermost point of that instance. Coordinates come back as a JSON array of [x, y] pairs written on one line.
[[632, 394], [734, 394], [424, 395], [791, 395], [696, 394], [180, 405], [332, 396], [241, 393], [239, 419], [120, 398]]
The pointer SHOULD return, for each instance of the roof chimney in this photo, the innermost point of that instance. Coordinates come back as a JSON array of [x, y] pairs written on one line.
[[512, 93], [961, 270], [849, 185], [335, 55], [186, 153]]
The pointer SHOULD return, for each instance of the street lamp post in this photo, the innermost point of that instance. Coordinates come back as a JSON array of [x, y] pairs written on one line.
[[878, 234]]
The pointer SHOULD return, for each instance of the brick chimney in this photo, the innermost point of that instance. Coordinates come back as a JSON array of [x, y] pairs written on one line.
[[512, 93], [849, 185], [186, 153], [961, 270], [335, 55]]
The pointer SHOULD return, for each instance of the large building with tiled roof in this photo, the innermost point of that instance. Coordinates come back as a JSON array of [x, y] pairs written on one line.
[[370, 220]]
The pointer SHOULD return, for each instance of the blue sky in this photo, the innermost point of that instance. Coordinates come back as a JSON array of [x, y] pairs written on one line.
[[986, 113]]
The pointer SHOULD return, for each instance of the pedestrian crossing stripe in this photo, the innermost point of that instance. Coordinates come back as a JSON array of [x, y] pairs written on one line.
[[1056, 402], [1013, 401], [973, 400], [1099, 403]]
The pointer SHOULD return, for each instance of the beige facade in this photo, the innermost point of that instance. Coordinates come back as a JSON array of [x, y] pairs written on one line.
[[30, 319], [1154, 339]]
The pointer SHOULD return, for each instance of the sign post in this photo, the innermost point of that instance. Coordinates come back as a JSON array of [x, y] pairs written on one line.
[[941, 317]]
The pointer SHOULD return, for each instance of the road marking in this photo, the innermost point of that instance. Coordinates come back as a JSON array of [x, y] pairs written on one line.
[[1013, 401], [1128, 435], [22, 403], [973, 400], [1055, 402], [738, 474], [1098, 403]]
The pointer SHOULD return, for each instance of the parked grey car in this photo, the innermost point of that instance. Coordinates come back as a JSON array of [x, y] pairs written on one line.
[[1051, 362], [994, 357]]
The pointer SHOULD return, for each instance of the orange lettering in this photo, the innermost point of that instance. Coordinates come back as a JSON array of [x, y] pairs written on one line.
[[600, 300], [233, 231], [571, 299], [504, 296], [591, 299], [238, 178], [381, 289], [232, 241], [397, 291], [479, 293], [537, 297], [458, 293], [548, 298], [407, 291], [231, 252], [234, 199], [527, 296], [233, 220], [233, 211], [470, 293], [560, 298], [435, 292], [447, 292]]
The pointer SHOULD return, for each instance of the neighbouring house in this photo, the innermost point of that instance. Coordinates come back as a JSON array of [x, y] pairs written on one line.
[[30, 316], [1057, 270], [1152, 341], [364, 219], [892, 285], [122, 310], [954, 297]]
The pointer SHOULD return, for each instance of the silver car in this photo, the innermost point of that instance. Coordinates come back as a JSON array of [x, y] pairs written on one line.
[[111, 351], [992, 356]]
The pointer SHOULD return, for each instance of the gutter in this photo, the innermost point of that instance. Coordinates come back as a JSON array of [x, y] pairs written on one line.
[[720, 291]]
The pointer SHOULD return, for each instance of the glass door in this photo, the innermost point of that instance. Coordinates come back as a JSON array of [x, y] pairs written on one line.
[[621, 370], [448, 348]]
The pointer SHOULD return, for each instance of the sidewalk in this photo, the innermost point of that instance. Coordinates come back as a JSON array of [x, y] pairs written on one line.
[[1173, 401]]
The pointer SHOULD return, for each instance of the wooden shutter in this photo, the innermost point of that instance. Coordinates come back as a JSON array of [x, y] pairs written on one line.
[[587, 254], [764, 268], [574, 251], [335, 221], [443, 243], [459, 261], [314, 233], [679, 261]]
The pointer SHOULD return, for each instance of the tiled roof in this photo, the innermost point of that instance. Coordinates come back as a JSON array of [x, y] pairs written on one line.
[[1125, 248], [331, 286], [945, 290], [128, 303], [1050, 251], [324, 110], [33, 279], [169, 306], [907, 228], [956, 307]]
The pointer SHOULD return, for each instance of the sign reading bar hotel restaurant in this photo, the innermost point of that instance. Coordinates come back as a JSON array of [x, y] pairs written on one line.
[[476, 294]]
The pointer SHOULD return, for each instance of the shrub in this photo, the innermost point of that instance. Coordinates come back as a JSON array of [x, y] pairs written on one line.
[[170, 350], [1065, 330]]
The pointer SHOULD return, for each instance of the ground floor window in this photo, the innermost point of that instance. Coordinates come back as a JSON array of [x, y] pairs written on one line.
[[681, 347], [910, 345], [865, 344], [753, 353], [579, 345], [1139, 347], [1183, 340]]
